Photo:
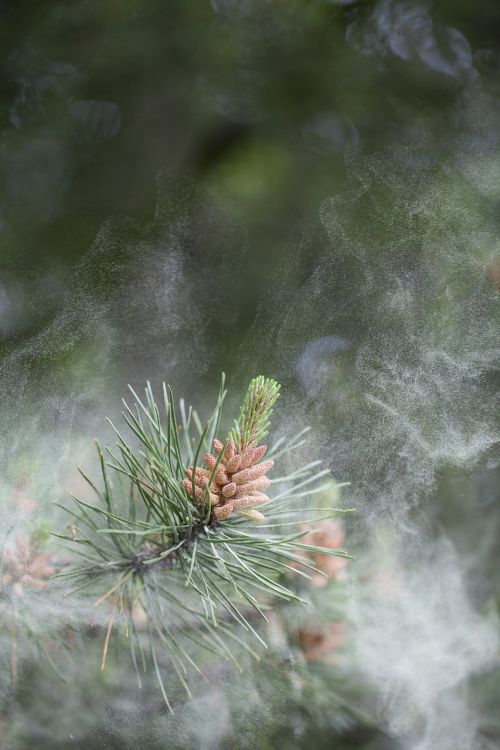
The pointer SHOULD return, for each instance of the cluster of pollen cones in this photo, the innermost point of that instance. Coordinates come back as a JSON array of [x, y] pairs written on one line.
[[24, 567], [237, 483]]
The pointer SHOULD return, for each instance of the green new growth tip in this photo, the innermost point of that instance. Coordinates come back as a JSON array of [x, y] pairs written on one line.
[[255, 413]]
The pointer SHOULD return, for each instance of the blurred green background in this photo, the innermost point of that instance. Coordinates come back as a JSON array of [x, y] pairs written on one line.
[[260, 100]]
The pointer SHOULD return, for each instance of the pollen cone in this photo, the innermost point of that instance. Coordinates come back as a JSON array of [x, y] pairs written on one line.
[[237, 483]]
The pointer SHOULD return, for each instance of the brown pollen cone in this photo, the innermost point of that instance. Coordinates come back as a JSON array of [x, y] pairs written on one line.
[[237, 483], [329, 534], [321, 643], [23, 567]]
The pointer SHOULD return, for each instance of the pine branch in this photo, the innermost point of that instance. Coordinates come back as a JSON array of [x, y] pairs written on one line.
[[180, 543]]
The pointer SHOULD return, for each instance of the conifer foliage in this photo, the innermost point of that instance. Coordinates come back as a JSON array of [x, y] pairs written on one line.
[[177, 552]]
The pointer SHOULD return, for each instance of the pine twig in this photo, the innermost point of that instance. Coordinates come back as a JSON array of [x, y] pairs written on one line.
[[180, 542]]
